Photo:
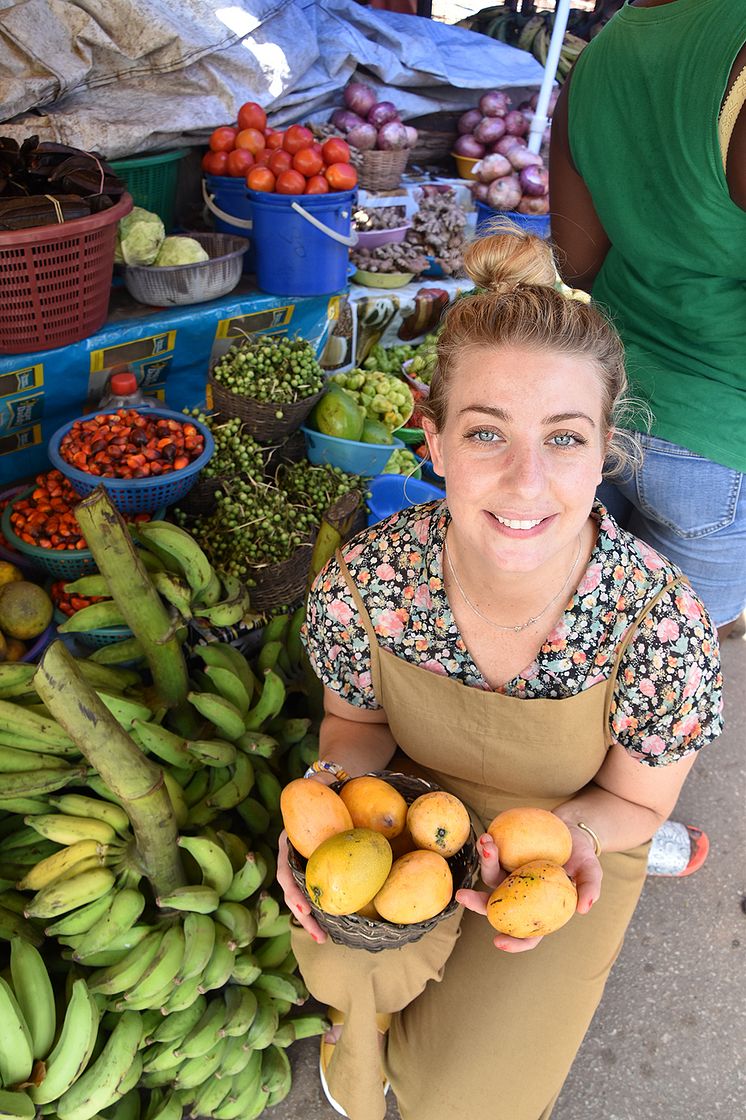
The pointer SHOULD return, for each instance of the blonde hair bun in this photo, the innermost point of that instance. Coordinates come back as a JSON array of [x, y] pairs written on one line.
[[508, 257]]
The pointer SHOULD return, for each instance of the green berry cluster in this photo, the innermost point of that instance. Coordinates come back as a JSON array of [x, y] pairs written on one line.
[[235, 450], [270, 368]]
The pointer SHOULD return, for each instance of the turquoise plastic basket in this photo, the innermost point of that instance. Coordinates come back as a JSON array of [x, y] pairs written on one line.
[[351, 455]]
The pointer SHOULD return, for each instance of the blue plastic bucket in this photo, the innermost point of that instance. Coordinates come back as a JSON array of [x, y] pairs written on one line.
[[349, 455], [302, 242], [388, 493], [533, 223], [226, 197]]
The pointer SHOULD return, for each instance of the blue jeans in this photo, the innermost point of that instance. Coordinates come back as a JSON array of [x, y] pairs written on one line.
[[692, 511]]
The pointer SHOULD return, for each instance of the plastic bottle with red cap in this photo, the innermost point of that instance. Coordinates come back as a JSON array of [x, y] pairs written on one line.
[[122, 391]]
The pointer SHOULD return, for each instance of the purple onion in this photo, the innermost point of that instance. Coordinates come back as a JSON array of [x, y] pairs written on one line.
[[345, 119], [412, 135], [468, 121], [522, 157], [534, 179], [515, 123], [495, 103], [363, 137], [382, 113], [489, 130], [468, 146], [534, 101], [529, 204], [392, 136], [359, 98], [504, 193], [492, 167], [479, 191], [502, 147]]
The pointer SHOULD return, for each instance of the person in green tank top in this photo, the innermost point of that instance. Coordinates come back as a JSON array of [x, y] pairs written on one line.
[[648, 197]]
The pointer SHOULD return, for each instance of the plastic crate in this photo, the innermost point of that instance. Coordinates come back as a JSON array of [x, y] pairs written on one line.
[[136, 495], [152, 180], [351, 455], [56, 279]]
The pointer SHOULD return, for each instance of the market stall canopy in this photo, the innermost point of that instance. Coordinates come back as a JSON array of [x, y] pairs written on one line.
[[146, 75]]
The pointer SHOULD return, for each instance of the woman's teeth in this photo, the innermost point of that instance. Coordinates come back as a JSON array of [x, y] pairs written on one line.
[[518, 524]]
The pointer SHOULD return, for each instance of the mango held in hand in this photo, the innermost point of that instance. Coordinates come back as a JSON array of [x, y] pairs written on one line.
[[534, 900], [373, 803], [348, 870], [526, 834], [439, 822], [311, 813], [418, 887]]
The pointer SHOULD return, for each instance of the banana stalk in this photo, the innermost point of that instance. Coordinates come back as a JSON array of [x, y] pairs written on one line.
[[127, 772], [133, 591]]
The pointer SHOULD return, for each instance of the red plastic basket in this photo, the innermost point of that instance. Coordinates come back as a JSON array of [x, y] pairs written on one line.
[[55, 280]]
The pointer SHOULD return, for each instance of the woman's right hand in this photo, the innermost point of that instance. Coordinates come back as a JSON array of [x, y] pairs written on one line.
[[297, 902]]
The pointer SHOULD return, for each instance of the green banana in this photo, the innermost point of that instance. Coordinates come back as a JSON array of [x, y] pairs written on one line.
[[202, 899], [126, 1108], [15, 925], [130, 1080], [205, 1034], [220, 966], [119, 653], [162, 969], [269, 703], [231, 793], [282, 985], [98, 786], [124, 975], [305, 1026], [182, 549], [224, 656], [255, 816], [199, 942], [93, 585], [239, 921], [281, 924], [195, 1071], [234, 847], [257, 743], [216, 867], [212, 593], [16, 674], [97, 1088], [240, 1007], [110, 679], [235, 1056], [293, 643], [272, 951], [276, 1072], [176, 797], [198, 787], [211, 752], [161, 1056], [150, 1001], [169, 1109], [227, 684], [73, 1048], [21, 806], [34, 994], [63, 864], [164, 744], [124, 710], [77, 805], [211, 1094], [66, 829], [267, 910], [16, 1105], [177, 1026], [247, 879], [20, 838], [175, 591], [289, 731], [183, 996], [228, 612], [80, 921], [13, 761], [245, 969], [96, 616], [275, 629], [17, 1051], [17, 720], [221, 712], [268, 787], [68, 894], [126, 907], [33, 783], [262, 1030]]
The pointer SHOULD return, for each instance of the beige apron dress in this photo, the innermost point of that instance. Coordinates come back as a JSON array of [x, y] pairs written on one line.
[[491, 1036]]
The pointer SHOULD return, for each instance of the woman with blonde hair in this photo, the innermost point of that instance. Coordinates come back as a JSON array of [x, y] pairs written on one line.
[[520, 649]]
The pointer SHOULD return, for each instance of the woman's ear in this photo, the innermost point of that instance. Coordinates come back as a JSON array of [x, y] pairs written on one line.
[[434, 443]]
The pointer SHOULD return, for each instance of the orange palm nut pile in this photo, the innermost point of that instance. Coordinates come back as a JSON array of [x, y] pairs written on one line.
[[131, 444]]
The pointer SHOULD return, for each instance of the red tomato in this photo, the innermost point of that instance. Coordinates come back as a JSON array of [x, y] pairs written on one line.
[[261, 159], [223, 139], [335, 150], [260, 179], [308, 162], [317, 184], [297, 137], [251, 115], [251, 139], [239, 162], [341, 176], [280, 161], [290, 182], [274, 139], [215, 163]]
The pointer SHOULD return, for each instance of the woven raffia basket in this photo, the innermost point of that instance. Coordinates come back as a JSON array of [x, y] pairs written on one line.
[[201, 498], [290, 450], [374, 934], [260, 417], [382, 171], [281, 584], [436, 135]]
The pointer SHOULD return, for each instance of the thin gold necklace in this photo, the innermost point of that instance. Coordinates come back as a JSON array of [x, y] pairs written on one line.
[[497, 625]]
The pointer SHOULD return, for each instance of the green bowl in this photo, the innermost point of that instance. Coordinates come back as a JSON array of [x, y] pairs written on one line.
[[411, 436]]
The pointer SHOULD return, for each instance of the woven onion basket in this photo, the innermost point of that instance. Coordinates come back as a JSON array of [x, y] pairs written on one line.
[[260, 417], [373, 934], [382, 171]]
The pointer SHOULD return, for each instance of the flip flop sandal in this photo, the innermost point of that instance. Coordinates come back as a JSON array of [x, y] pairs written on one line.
[[327, 1049], [677, 850]]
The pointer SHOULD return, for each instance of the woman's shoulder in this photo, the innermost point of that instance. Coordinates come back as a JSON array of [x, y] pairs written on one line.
[[403, 542]]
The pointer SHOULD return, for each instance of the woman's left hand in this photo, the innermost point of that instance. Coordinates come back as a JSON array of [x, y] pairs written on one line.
[[583, 868]]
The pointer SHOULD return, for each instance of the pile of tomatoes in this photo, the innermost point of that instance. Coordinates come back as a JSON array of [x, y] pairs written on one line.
[[289, 162]]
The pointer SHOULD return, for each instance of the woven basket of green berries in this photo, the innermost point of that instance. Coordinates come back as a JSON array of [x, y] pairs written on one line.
[[236, 454], [269, 382]]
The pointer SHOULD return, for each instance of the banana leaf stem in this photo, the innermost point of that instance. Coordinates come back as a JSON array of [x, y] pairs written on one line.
[[128, 773]]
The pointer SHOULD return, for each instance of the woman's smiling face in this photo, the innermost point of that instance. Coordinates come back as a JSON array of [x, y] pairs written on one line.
[[521, 451]]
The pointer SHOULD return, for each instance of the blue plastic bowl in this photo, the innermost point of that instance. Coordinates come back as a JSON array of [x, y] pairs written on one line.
[[391, 492], [136, 495], [351, 455], [533, 223]]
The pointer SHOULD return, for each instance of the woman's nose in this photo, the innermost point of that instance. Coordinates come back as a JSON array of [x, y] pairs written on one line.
[[525, 472]]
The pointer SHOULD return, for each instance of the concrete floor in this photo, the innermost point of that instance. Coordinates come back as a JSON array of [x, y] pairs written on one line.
[[669, 1038]]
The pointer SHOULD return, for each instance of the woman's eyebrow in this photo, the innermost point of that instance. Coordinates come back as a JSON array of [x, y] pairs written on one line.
[[501, 414]]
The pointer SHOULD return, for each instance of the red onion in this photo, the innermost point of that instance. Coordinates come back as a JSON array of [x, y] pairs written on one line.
[[468, 146], [392, 136], [534, 101], [363, 137], [382, 113], [534, 179], [502, 147], [412, 135], [522, 157], [532, 205], [515, 123], [345, 119], [360, 98], [468, 121], [504, 193], [489, 130], [479, 191], [491, 167], [494, 104]]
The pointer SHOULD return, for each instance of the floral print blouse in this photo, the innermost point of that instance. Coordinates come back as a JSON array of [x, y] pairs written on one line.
[[667, 700]]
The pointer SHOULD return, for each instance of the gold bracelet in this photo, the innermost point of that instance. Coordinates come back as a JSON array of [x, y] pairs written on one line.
[[596, 842]]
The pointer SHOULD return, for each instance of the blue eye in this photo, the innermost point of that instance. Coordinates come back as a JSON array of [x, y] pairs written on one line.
[[484, 435], [565, 439]]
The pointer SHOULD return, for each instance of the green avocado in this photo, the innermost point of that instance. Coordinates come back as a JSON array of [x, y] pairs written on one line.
[[337, 414], [375, 432]]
